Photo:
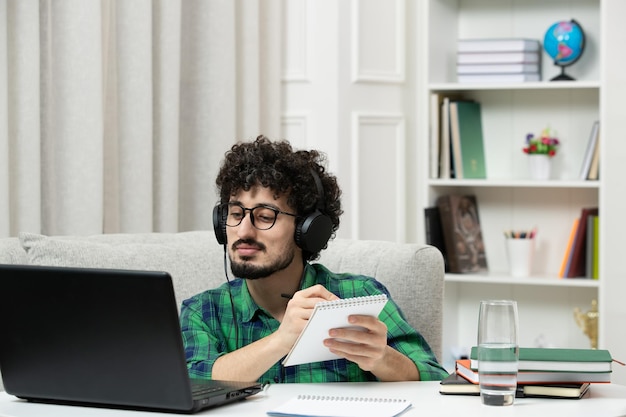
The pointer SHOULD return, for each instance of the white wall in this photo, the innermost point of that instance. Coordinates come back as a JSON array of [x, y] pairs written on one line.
[[347, 92]]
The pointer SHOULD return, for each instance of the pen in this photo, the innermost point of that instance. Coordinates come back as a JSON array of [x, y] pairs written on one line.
[[287, 296]]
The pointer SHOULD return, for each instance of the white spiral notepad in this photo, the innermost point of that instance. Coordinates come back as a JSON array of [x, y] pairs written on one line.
[[309, 346], [338, 406]]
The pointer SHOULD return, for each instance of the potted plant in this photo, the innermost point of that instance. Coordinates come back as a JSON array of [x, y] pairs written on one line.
[[540, 149]]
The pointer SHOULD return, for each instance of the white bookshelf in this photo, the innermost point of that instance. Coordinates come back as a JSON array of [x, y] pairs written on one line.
[[533, 280], [508, 199]]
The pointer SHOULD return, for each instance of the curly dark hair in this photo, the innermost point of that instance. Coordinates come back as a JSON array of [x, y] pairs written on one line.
[[285, 171]]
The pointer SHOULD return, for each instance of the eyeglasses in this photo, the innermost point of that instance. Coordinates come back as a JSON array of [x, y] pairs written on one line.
[[261, 217]]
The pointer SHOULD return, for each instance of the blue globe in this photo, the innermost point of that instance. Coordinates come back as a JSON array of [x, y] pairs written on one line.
[[564, 41]]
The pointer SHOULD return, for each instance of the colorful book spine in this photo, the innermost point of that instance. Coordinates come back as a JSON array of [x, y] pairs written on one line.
[[568, 250]]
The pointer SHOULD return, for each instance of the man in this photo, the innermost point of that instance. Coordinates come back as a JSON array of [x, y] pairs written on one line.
[[278, 208]]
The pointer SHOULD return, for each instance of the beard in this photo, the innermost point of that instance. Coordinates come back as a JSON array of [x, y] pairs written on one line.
[[245, 269]]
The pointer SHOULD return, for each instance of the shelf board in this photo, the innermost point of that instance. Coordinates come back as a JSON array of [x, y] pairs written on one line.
[[541, 85], [505, 279], [514, 183]]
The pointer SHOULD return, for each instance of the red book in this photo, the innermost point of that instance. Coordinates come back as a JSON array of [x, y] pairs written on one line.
[[579, 258], [464, 369]]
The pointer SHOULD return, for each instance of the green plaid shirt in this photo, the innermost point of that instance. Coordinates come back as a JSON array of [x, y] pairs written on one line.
[[208, 329]]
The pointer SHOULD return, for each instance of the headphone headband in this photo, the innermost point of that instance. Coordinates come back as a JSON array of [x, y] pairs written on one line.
[[321, 203]]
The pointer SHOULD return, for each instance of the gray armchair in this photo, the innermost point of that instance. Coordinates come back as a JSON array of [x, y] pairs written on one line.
[[412, 273]]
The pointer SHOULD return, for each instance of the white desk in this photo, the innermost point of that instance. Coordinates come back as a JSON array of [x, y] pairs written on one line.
[[603, 400]]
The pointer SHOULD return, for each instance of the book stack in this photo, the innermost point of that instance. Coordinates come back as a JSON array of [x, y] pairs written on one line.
[[510, 60], [549, 372]]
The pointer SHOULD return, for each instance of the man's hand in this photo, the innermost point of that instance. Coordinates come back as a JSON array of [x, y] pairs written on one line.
[[299, 311], [367, 347], [251, 361]]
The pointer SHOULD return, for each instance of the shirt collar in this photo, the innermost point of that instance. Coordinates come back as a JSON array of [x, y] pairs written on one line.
[[249, 308]]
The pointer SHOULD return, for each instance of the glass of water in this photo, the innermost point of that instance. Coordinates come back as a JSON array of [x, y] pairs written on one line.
[[498, 351]]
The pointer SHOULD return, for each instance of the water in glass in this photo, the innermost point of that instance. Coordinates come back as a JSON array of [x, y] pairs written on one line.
[[498, 373]]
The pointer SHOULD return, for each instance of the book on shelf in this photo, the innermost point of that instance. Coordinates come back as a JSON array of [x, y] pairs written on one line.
[[589, 250], [456, 163], [463, 368], [444, 144], [467, 140], [558, 359], [498, 45], [434, 232], [455, 384], [594, 168], [447, 163], [590, 151], [498, 58], [497, 68], [577, 267], [435, 134], [567, 256], [594, 259], [440, 141], [498, 78], [328, 315], [460, 222]]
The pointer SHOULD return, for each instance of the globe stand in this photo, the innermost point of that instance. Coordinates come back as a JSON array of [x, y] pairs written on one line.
[[562, 76]]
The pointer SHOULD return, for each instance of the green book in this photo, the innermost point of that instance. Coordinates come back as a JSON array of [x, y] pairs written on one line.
[[467, 138], [558, 359]]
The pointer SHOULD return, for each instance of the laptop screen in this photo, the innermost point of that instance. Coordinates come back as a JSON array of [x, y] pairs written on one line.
[[92, 335]]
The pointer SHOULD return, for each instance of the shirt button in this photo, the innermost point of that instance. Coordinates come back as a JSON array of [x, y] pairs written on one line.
[[276, 379]]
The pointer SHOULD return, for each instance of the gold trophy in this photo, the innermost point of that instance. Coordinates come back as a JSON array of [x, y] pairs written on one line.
[[588, 322]]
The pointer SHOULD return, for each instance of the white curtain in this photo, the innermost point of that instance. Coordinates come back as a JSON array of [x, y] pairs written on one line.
[[115, 114]]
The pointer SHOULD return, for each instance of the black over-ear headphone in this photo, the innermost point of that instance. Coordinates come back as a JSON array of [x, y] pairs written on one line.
[[219, 223], [312, 231]]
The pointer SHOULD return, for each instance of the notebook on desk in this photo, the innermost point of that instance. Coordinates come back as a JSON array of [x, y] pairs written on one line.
[[108, 338]]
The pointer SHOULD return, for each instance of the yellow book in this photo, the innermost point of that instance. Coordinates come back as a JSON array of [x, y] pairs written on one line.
[[568, 250]]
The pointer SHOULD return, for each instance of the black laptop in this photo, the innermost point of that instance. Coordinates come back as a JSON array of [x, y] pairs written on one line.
[[99, 337]]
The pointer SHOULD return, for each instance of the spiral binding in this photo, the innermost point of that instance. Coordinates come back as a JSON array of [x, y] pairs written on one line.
[[366, 299], [310, 397]]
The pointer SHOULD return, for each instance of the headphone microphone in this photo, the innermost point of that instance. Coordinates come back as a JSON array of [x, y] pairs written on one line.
[[312, 231]]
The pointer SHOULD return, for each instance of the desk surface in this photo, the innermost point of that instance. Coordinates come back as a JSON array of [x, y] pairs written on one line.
[[603, 400]]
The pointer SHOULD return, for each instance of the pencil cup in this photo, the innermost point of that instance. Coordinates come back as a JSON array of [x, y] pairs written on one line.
[[520, 254]]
